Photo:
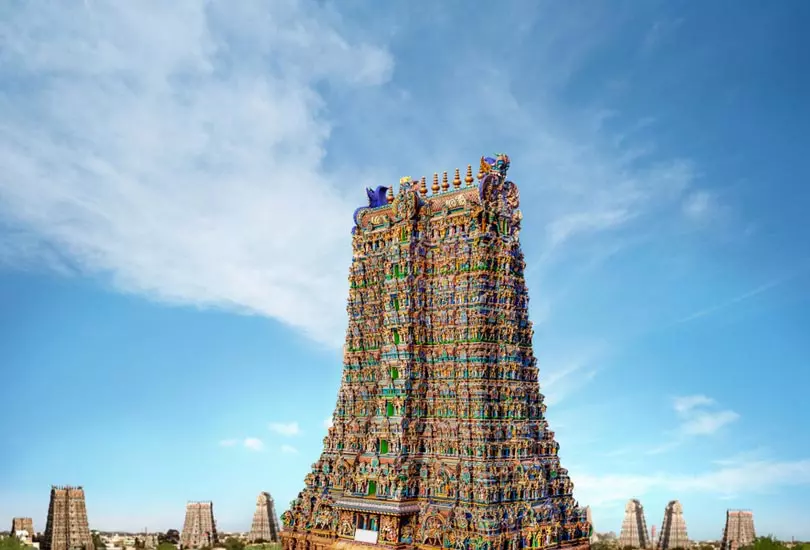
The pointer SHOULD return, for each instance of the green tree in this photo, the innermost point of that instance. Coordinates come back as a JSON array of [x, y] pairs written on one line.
[[165, 545], [98, 544], [12, 543], [765, 543], [171, 536], [232, 543]]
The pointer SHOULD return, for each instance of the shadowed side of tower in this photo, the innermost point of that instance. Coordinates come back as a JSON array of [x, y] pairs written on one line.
[[66, 526], [265, 526], [673, 528], [439, 436], [199, 527], [634, 532], [739, 529]]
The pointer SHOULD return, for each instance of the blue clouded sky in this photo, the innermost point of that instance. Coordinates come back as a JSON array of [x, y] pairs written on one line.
[[175, 203]]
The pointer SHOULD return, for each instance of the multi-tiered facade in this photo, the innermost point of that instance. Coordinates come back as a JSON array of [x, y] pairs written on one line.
[[66, 526], [634, 532], [264, 527], [673, 528], [739, 529], [439, 436], [199, 527]]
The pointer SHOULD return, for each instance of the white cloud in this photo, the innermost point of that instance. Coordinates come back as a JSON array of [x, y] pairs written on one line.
[[698, 204], [684, 404], [697, 419], [253, 443], [289, 429], [289, 449], [190, 170], [328, 422], [747, 478], [177, 150], [707, 423]]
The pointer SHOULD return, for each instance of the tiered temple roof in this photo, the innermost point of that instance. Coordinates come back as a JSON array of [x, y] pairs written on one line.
[[439, 435]]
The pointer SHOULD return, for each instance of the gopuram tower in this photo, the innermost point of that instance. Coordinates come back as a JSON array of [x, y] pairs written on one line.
[[634, 527], [439, 436], [265, 526], [66, 526], [673, 528], [199, 527], [739, 529], [23, 529]]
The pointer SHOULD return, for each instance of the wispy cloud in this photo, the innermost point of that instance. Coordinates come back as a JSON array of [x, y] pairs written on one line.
[[699, 416], [289, 449], [251, 443], [747, 478], [185, 172], [288, 429], [684, 404], [698, 204], [327, 422], [561, 380], [157, 167], [737, 299]]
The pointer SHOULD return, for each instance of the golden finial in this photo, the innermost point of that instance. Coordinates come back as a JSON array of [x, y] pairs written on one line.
[[435, 186], [469, 179], [457, 180], [482, 171], [390, 195], [445, 184], [423, 186]]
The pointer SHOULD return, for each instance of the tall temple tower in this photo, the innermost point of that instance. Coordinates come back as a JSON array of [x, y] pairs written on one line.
[[739, 530], [23, 529], [265, 526], [439, 436], [66, 527], [634, 527], [673, 528], [199, 527]]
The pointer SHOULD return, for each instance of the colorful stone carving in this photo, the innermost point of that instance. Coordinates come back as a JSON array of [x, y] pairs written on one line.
[[439, 437]]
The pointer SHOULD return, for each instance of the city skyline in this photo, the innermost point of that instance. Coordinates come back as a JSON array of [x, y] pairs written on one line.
[[174, 240]]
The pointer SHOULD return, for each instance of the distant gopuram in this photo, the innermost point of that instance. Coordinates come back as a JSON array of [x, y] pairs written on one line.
[[439, 436], [739, 530], [66, 527], [22, 528], [265, 526], [634, 527], [199, 527], [673, 528]]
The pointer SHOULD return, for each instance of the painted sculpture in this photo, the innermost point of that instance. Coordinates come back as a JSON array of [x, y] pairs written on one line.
[[439, 437]]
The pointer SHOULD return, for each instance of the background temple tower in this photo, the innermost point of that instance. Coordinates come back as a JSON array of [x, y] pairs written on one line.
[[439, 436], [673, 528], [199, 527], [66, 527], [589, 519], [23, 529], [634, 527], [265, 523], [739, 530]]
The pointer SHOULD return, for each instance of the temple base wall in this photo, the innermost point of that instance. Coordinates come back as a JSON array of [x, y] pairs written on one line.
[[317, 541]]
